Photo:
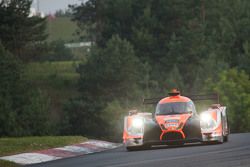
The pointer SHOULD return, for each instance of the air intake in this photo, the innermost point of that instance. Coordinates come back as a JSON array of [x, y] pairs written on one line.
[[172, 136]]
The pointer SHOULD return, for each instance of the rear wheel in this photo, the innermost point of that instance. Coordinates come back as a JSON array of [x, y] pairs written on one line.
[[225, 138], [221, 140]]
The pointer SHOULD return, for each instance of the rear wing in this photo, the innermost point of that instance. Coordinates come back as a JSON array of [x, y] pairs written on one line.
[[195, 97]]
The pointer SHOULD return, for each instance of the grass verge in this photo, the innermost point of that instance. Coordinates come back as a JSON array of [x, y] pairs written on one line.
[[8, 164], [10, 146]]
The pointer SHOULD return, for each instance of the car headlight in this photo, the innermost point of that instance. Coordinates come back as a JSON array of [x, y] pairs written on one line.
[[136, 127], [137, 123], [205, 117], [207, 121]]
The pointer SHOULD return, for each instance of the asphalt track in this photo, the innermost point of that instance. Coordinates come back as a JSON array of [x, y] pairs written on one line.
[[234, 153]]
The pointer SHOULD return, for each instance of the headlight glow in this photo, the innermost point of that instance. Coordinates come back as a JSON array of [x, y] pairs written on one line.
[[137, 122], [205, 117], [207, 121]]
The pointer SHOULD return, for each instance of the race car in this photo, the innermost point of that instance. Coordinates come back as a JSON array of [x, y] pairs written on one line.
[[175, 122]]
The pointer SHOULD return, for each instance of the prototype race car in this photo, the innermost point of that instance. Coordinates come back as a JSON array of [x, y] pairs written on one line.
[[175, 122]]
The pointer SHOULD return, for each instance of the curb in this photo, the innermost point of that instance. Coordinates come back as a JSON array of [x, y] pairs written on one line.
[[91, 146]]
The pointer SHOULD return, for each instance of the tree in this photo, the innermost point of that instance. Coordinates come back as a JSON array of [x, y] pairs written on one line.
[[63, 13], [82, 116], [117, 74], [226, 21], [17, 29], [86, 18], [164, 34], [234, 89], [34, 116], [10, 71], [113, 116], [23, 109], [180, 43], [111, 73]]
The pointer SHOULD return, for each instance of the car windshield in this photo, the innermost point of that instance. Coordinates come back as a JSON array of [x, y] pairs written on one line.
[[175, 108]]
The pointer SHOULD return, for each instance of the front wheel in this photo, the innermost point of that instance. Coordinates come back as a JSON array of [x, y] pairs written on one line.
[[221, 140], [138, 148], [179, 143]]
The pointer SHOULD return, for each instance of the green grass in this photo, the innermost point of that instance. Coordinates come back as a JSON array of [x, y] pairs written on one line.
[[53, 75], [8, 164], [63, 70], [11, 146], [61, 28]]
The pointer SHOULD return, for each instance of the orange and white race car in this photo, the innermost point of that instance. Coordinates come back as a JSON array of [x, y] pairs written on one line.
[[175, 122]]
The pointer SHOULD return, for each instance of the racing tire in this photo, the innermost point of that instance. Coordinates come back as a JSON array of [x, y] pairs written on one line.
[[132, 148], [138, 148], [221, 140], [211, 142], [205, 142], [176, 144], [225, 138]]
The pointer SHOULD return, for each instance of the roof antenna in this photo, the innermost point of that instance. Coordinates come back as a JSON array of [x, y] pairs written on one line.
[[174, 92]]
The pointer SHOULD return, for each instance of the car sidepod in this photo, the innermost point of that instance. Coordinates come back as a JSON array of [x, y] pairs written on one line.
[[133, 132], [215, 128]]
